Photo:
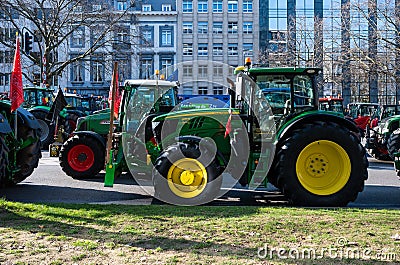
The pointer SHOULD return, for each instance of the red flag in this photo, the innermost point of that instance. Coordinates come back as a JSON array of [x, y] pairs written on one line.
[[117, 99], [16, 88]]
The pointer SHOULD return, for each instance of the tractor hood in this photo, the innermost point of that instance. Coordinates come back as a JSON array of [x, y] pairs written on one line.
[[188, 114]]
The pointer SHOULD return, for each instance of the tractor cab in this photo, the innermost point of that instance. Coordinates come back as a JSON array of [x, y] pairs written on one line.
[[331, 104], [37, 96], [289, 91], [147, 98]]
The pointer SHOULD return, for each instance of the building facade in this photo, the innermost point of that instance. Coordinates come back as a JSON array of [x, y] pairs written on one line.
[[145, 40], [214, 37], [354, 41]]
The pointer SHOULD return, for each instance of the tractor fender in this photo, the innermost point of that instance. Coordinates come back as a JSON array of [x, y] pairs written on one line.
[[4, 125], [95, 135], [28, 119], [45, 109], [207, 144], [309, 118]]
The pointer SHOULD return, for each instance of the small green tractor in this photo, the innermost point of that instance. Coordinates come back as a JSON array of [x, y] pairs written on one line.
[[314, 157], [19, 150], [83, 155], [38, 101]]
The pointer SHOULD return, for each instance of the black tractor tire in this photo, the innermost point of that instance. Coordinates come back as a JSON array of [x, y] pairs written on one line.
[[393, 144], [3, 161], [168, 176], [82, 156], [321, 164], [47, 130], [28, 157]]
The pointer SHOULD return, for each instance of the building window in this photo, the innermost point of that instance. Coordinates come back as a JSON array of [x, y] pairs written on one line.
[[187, 70], [166, 64], [187, 6], [232, 27], [217, 6], [247, 6], [166, 8], [187, 27], [124, 68], [78, 37], [187, 49], [218, 70], [121, 5], [232, 49], [202, 71], [146, 69], [202, 28], [202, 6], [248, 49], [97, 70], [203, 49], [96, 7], [202, 90], [232, 6], [248, 27], [77, 72], [166, 36], [146, 8], [218, 90], [187, 90], [217, 27], [147, 37], [217, 49]]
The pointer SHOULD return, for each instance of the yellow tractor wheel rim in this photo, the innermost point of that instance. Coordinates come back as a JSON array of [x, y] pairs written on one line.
[[323, 167], [187, 178]]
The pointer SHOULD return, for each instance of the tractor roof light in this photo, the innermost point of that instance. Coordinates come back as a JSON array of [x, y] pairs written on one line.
[[247, 61], [157, 72]]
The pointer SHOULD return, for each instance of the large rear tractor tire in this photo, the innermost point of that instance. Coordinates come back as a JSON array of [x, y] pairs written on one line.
[[28, 157], [47, 129], [321, 164], [3, 161], [183, 177], [82, 156], [393, 144]]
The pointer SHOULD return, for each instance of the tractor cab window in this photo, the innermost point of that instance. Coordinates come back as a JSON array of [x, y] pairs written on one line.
[[303, 92], [276, 89], [144, 100]]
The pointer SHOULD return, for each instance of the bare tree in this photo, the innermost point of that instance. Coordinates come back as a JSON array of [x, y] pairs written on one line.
[[376, 49], [55, 23]]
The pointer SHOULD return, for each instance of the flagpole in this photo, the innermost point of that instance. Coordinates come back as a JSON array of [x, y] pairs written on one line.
[[111, 129]]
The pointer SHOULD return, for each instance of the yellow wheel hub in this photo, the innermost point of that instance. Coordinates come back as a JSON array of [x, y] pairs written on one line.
[[187, 178], [323, 167]]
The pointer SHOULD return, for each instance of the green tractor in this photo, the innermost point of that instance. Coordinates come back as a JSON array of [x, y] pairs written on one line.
[[83, 155], [19, 150], [314, 157], [38, 101]]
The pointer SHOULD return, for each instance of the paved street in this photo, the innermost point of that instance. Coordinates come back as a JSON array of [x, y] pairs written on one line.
[[49, 184]]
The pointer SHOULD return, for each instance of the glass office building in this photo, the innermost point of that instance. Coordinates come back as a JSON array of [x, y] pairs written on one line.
[[354, 41]]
